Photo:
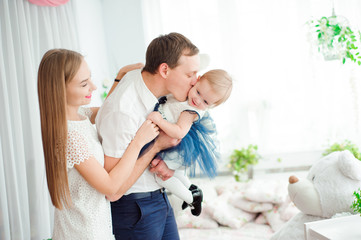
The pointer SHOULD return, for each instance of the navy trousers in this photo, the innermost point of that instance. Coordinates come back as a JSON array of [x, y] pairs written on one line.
[[147, 216]]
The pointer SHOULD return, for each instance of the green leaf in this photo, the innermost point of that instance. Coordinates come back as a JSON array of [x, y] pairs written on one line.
[[241, 159], [348, 40], [356, 204], [344, 145]]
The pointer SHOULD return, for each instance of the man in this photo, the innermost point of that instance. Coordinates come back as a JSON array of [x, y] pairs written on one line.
[[144, 212]]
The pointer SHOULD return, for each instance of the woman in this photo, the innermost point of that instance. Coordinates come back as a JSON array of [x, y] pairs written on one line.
[[74, 157]]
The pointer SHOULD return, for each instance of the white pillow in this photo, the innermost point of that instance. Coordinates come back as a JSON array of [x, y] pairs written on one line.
[[274, 219], [288, 209], [185, 219], [238, 201], [261, 219], [231, 186], [256, 231], [271, 191], [226, 214]]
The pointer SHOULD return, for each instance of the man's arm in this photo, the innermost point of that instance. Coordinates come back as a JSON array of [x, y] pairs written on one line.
[[162, 142]]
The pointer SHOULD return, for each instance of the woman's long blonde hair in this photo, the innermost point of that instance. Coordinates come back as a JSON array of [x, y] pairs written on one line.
[[57, 68]]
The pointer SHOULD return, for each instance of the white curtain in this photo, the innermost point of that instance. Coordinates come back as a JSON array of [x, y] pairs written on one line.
[[286, 98], [26, 32]]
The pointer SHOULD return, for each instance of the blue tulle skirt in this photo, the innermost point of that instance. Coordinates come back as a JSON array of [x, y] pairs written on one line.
[[198, 147]]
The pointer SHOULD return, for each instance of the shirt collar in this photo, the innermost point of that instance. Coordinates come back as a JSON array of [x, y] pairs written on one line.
[[147, 97]]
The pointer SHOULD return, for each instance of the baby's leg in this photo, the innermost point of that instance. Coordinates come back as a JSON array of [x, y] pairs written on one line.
[[181, 175], [177, 187]]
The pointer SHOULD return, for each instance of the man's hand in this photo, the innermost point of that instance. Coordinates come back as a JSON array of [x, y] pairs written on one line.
[[159, 167], [163, 141]]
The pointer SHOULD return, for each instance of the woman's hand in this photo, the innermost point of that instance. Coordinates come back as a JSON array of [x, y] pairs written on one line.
[[155, 117], [147, 132]]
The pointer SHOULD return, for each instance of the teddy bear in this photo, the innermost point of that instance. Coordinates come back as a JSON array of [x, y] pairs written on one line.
[[326, 191]]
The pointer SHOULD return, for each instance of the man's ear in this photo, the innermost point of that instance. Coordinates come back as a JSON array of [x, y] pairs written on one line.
[[163, 70]]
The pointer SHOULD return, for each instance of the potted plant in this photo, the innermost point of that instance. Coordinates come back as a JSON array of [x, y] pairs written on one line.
[[345, 145], [106, 85], [336, 39], [242, 161]]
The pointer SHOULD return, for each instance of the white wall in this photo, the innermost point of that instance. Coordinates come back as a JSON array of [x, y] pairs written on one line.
[[92, 42], [111, 35], [124, 34], [118, 32]]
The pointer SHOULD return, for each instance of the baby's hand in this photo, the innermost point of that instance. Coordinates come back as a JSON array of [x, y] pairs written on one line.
[[128, 68], [155, 117], [147, 132]]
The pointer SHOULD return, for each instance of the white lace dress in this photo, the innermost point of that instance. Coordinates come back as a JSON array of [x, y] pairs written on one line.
[[89, 217]]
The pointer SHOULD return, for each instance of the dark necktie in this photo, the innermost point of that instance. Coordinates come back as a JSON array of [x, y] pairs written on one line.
[[161, 100]]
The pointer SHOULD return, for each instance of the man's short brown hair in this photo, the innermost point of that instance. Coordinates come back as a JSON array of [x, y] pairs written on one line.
[[168, 49]]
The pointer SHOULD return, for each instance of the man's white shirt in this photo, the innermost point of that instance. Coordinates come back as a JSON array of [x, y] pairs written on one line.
[[120, 117]]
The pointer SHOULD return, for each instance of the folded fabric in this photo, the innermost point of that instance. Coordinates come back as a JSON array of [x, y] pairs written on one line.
[[288, 209], [274, 219], [238, 201], [226, 214], [256, 231], [186, 220], [231, 186], [271, 191], [260, 219]]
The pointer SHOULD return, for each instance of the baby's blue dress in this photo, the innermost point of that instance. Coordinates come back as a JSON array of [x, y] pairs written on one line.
[[198, 147]]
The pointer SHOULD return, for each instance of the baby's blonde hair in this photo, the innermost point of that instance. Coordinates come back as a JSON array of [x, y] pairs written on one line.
[[221, 83]]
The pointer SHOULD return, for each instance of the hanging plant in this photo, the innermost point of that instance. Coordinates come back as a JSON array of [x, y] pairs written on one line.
[[336, 39]]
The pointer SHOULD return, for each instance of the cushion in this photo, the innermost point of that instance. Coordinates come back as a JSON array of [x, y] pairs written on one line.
[[274, 219], [271, 191], [238, 201], [261, 219], [226, 214], [185, 219]]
